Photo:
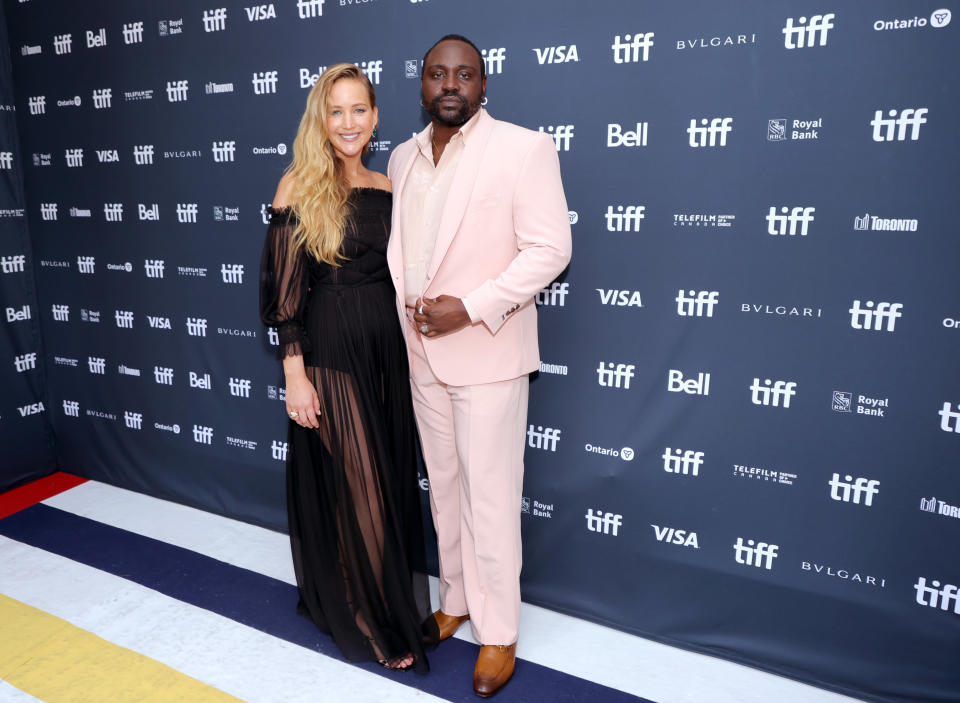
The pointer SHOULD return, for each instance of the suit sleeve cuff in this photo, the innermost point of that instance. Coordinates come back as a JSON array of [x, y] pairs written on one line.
[[474, 317]]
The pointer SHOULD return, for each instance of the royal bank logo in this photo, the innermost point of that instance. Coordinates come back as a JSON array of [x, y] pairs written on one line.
[[74, 158], [177, 91], [875, 317], [62, 44], [170, 28], [493, 60], [37, 104], [851, 490], [945, 597], [90, 315], [676, 383], [616, 297], [775, 394], [618, 136], [762, 475], [562, 135], [153, 268], [632, 48], [777, 130], [939, 507], [696, 303], [554, 296], [277, 393], [790, 221], [670, 535], [143, 154], [603, 522], [202, 434], [545, 438], [711, 132], [264, 82], [806, 34], [882, 224], [949, 418], [625, 218], [755, 553], [309, 9], [231, 273], [411, 68], [224, 151], [686, 462], [259, 13], [535, 508], [614, 375], [562, 53], [894, 126], [102, 98], [71, 408], [215, 20], [225, 213], [133, 33]]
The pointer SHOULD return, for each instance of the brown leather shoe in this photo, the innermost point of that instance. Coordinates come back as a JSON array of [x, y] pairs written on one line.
[[448, 624], [494, 668]]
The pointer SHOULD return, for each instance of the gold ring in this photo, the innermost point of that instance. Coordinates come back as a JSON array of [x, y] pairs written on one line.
[[293, 414]]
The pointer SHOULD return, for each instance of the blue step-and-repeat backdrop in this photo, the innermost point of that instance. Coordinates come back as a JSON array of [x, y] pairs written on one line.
[[744, 438]]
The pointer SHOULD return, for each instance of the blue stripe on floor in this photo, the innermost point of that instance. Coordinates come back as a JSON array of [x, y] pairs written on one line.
[[269, 605]]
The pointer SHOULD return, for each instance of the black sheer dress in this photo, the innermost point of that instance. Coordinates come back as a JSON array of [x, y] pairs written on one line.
[[352, 495]]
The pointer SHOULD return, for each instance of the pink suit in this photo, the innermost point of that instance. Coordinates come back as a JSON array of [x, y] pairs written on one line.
[[504, 234]]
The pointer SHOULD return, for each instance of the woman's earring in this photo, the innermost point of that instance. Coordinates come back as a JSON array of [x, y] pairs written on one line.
[[374, 135]]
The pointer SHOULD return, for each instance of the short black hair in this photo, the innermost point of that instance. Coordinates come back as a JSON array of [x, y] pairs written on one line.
[[456, 37]]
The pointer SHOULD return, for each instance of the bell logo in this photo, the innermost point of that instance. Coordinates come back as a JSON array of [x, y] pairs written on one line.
[[556, 294], [937, 596], [151, 213], [562, 135], [883, 129], [133, 420], [545, 438], [777, 224], [308, 9], [202, 435], [278, 450], [557, 54], [71, 408], [215, 20], [264, 82], [672, 536], [706, 134], [682, 461], [627, 49], [949, 417], [98, 39], [610, 375], [616, 136], [697, 304], [21, 315], [851, 491], [133, 33], [493, 58], [758, 554], [691, 386], [872, 318], [198, 381], [777, 395], [605, 523], [806, 34]]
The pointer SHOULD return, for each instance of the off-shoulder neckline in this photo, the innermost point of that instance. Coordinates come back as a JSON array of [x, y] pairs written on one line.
[[360, 188]]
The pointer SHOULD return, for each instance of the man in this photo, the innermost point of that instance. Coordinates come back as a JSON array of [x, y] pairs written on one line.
[[480, 225]]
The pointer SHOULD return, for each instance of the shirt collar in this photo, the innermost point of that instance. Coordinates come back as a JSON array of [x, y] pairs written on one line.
[[425, 137]]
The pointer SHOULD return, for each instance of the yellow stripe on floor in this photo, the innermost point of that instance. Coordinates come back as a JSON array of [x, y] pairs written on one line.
[[59, 663]]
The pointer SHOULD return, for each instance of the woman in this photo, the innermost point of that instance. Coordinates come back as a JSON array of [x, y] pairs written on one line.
[[352, 495]]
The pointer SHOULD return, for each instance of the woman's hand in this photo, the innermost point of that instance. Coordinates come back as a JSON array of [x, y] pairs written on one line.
[[302, 399]]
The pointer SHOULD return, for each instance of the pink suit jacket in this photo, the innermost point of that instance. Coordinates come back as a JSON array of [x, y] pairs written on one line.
[[504, 234]]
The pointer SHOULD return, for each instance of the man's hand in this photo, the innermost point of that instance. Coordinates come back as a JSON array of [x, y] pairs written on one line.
[[441, 315]]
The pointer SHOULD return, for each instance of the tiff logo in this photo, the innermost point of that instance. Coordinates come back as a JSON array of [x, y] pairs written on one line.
[[871, 318], [97, 364], [61, 313], [153, 268], [124, 319], [706, 134], [6, 159], [13, 264], [133, 420], [113, 212], [556, 294], [25, 362], [224, 151], [62, 43], [777, 395], [215, 20], [697, 303], [186, 212], [239, 387], [948, 416], [37, 104], [177, 91], [804, 35], [197, 326], [562, 134], [545, 438], [133, 33], [202, 435], [494, 58], [849, 490], [372, 69], [86, 264], [759, 554], [232, 273], [143, 154], [74, 157], [682, 461], [71, 408], [306, 9], [102, 98], [610, 375], [163, 375], [603, 522], [264, 82], [778, 224], [883, 128], [628, 49], [625, 219], [937, 596], [273, 336], [278, 450]]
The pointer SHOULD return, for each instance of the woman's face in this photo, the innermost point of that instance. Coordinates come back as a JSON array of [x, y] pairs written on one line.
[[350, 117]]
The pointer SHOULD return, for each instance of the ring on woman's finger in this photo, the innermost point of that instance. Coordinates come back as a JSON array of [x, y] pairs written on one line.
[[423, 328], [293, 414]]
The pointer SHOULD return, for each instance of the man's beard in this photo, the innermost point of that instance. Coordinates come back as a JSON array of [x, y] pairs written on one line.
[[458, 118]]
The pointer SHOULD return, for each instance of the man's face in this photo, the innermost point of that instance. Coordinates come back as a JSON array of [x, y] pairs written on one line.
[[451, 84]]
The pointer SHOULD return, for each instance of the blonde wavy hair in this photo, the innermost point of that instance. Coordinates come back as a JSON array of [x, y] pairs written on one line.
[[321, 194]]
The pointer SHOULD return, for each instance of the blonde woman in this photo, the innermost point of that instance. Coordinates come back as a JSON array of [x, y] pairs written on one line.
[[352, 494]]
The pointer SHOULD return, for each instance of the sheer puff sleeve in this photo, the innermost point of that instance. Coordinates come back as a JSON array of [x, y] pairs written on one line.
[[284, 284]]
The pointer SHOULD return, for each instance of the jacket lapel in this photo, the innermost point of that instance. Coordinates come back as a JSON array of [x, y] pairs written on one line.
[[395, 243]]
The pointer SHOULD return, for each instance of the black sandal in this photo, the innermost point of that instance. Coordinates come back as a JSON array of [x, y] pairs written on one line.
[[393, 664]]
